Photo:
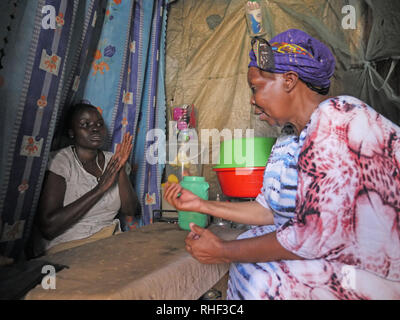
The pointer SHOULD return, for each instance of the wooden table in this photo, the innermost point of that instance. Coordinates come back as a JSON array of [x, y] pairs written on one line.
[[148, 263]]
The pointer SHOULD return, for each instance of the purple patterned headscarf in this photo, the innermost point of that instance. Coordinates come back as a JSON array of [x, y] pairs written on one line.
[[295, 50]]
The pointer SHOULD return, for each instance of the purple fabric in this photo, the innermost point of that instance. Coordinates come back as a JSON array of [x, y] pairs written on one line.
[[295, 50], [253, 59]]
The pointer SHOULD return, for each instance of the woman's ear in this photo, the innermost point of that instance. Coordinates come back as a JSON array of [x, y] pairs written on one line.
[[290, 80]]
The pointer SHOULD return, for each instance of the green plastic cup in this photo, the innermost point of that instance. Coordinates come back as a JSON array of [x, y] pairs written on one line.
[[199, 187]]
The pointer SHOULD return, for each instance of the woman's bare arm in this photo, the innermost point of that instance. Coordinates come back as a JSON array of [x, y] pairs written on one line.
[[251, 213]]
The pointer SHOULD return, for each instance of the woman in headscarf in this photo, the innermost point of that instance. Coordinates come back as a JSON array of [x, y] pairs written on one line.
[[338, 237]]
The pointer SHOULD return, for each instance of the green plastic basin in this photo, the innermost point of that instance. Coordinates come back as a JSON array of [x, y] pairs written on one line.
[[245, 152]]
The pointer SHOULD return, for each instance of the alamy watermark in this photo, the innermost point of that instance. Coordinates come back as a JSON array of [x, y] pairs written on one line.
[[49, 18], [348, 277], [349, 21], [186, 147], [49, 280]]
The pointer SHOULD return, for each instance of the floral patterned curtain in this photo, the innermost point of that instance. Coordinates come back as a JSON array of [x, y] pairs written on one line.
[[108, 52], [126, 83]]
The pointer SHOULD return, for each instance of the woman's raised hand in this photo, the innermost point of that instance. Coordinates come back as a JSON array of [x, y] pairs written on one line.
[[124, 149], [182, 199], [116, 162], [110, 174]]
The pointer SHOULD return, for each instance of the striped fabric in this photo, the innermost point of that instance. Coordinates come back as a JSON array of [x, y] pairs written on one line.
[[43, 70], [126, 83], [279, 188]]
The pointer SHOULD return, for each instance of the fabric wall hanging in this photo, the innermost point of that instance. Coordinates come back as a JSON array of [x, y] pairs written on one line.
[[46, 70]]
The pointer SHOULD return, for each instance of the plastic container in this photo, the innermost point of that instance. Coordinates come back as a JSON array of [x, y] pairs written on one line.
[[245, 152], [219, 221], [189, 155], [255, 13], [199, 187], [240, 182]]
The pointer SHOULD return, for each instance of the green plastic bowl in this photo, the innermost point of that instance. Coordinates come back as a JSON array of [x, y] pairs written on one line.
[[245, 152]]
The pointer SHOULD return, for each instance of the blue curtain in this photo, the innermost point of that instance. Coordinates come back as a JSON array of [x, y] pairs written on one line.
[[127, 84], [108, 52]]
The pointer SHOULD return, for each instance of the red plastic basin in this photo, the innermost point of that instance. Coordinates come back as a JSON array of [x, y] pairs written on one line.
[[240, 182]]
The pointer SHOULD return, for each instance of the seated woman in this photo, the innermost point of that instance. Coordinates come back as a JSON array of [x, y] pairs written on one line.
[[85, 187], [339, 236]]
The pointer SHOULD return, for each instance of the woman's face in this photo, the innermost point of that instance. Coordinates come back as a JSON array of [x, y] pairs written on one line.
[[88, 129], [268, 96]]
